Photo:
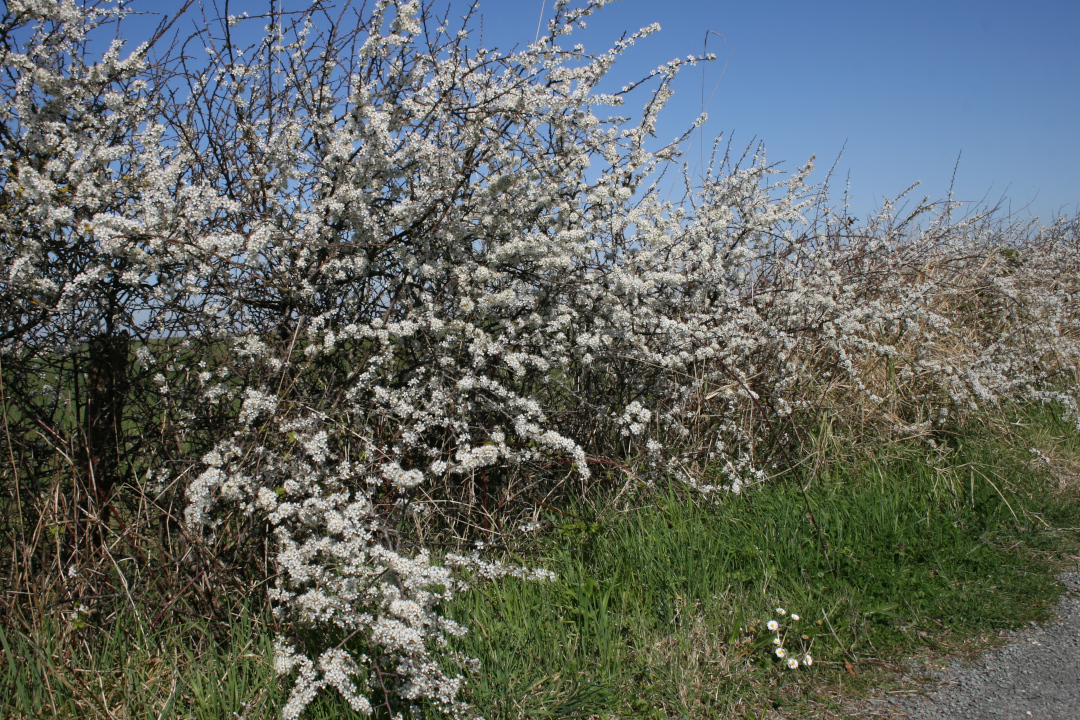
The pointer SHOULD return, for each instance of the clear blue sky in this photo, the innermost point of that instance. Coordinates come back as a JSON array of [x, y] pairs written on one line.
[[906, 86]]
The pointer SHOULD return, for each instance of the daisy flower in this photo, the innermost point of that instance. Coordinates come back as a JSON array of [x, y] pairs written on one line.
[[781, 653], [781, 611], [792, 663], [776, 640], [795, 617], [807, 660], [772, 625]]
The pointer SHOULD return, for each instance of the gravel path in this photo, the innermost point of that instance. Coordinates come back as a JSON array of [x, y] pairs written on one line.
[[1037, 675]]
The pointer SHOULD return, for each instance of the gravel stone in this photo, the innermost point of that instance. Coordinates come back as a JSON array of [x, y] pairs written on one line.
[[1036, 675]]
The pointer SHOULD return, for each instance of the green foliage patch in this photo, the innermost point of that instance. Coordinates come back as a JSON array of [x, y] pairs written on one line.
[[662, 606], [660, 603]]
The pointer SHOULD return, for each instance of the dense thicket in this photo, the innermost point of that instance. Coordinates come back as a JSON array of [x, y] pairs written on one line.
[[302, 300]]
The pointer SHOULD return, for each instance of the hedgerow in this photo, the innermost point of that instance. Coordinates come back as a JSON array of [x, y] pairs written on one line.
[[324, 310]]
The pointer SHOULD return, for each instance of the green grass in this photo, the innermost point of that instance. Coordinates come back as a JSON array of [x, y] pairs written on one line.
[[133, 671], [655, 609], [194, 671], [659, 604]]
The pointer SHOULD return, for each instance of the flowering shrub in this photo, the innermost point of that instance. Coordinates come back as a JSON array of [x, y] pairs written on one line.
[[354, 288]]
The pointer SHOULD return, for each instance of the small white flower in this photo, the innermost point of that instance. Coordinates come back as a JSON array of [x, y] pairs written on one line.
[[781, 653], [772, 625], [792, 663], [795, 617], [781, 611], [807, 660], [776, 640]]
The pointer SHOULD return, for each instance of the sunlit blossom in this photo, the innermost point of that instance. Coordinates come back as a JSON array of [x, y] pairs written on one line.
[[399, 294]]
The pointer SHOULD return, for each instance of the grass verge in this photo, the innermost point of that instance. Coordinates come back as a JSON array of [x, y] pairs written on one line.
[[660, 603], [659, 610]]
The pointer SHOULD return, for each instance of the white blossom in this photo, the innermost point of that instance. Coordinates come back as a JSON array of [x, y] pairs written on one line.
[[413, 284]]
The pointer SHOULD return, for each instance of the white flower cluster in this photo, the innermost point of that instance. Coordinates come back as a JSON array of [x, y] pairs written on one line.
[[786, 630], [408, 274], [634, 419]]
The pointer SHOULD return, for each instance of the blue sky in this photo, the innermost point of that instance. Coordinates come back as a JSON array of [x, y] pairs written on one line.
[[902, 88]]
